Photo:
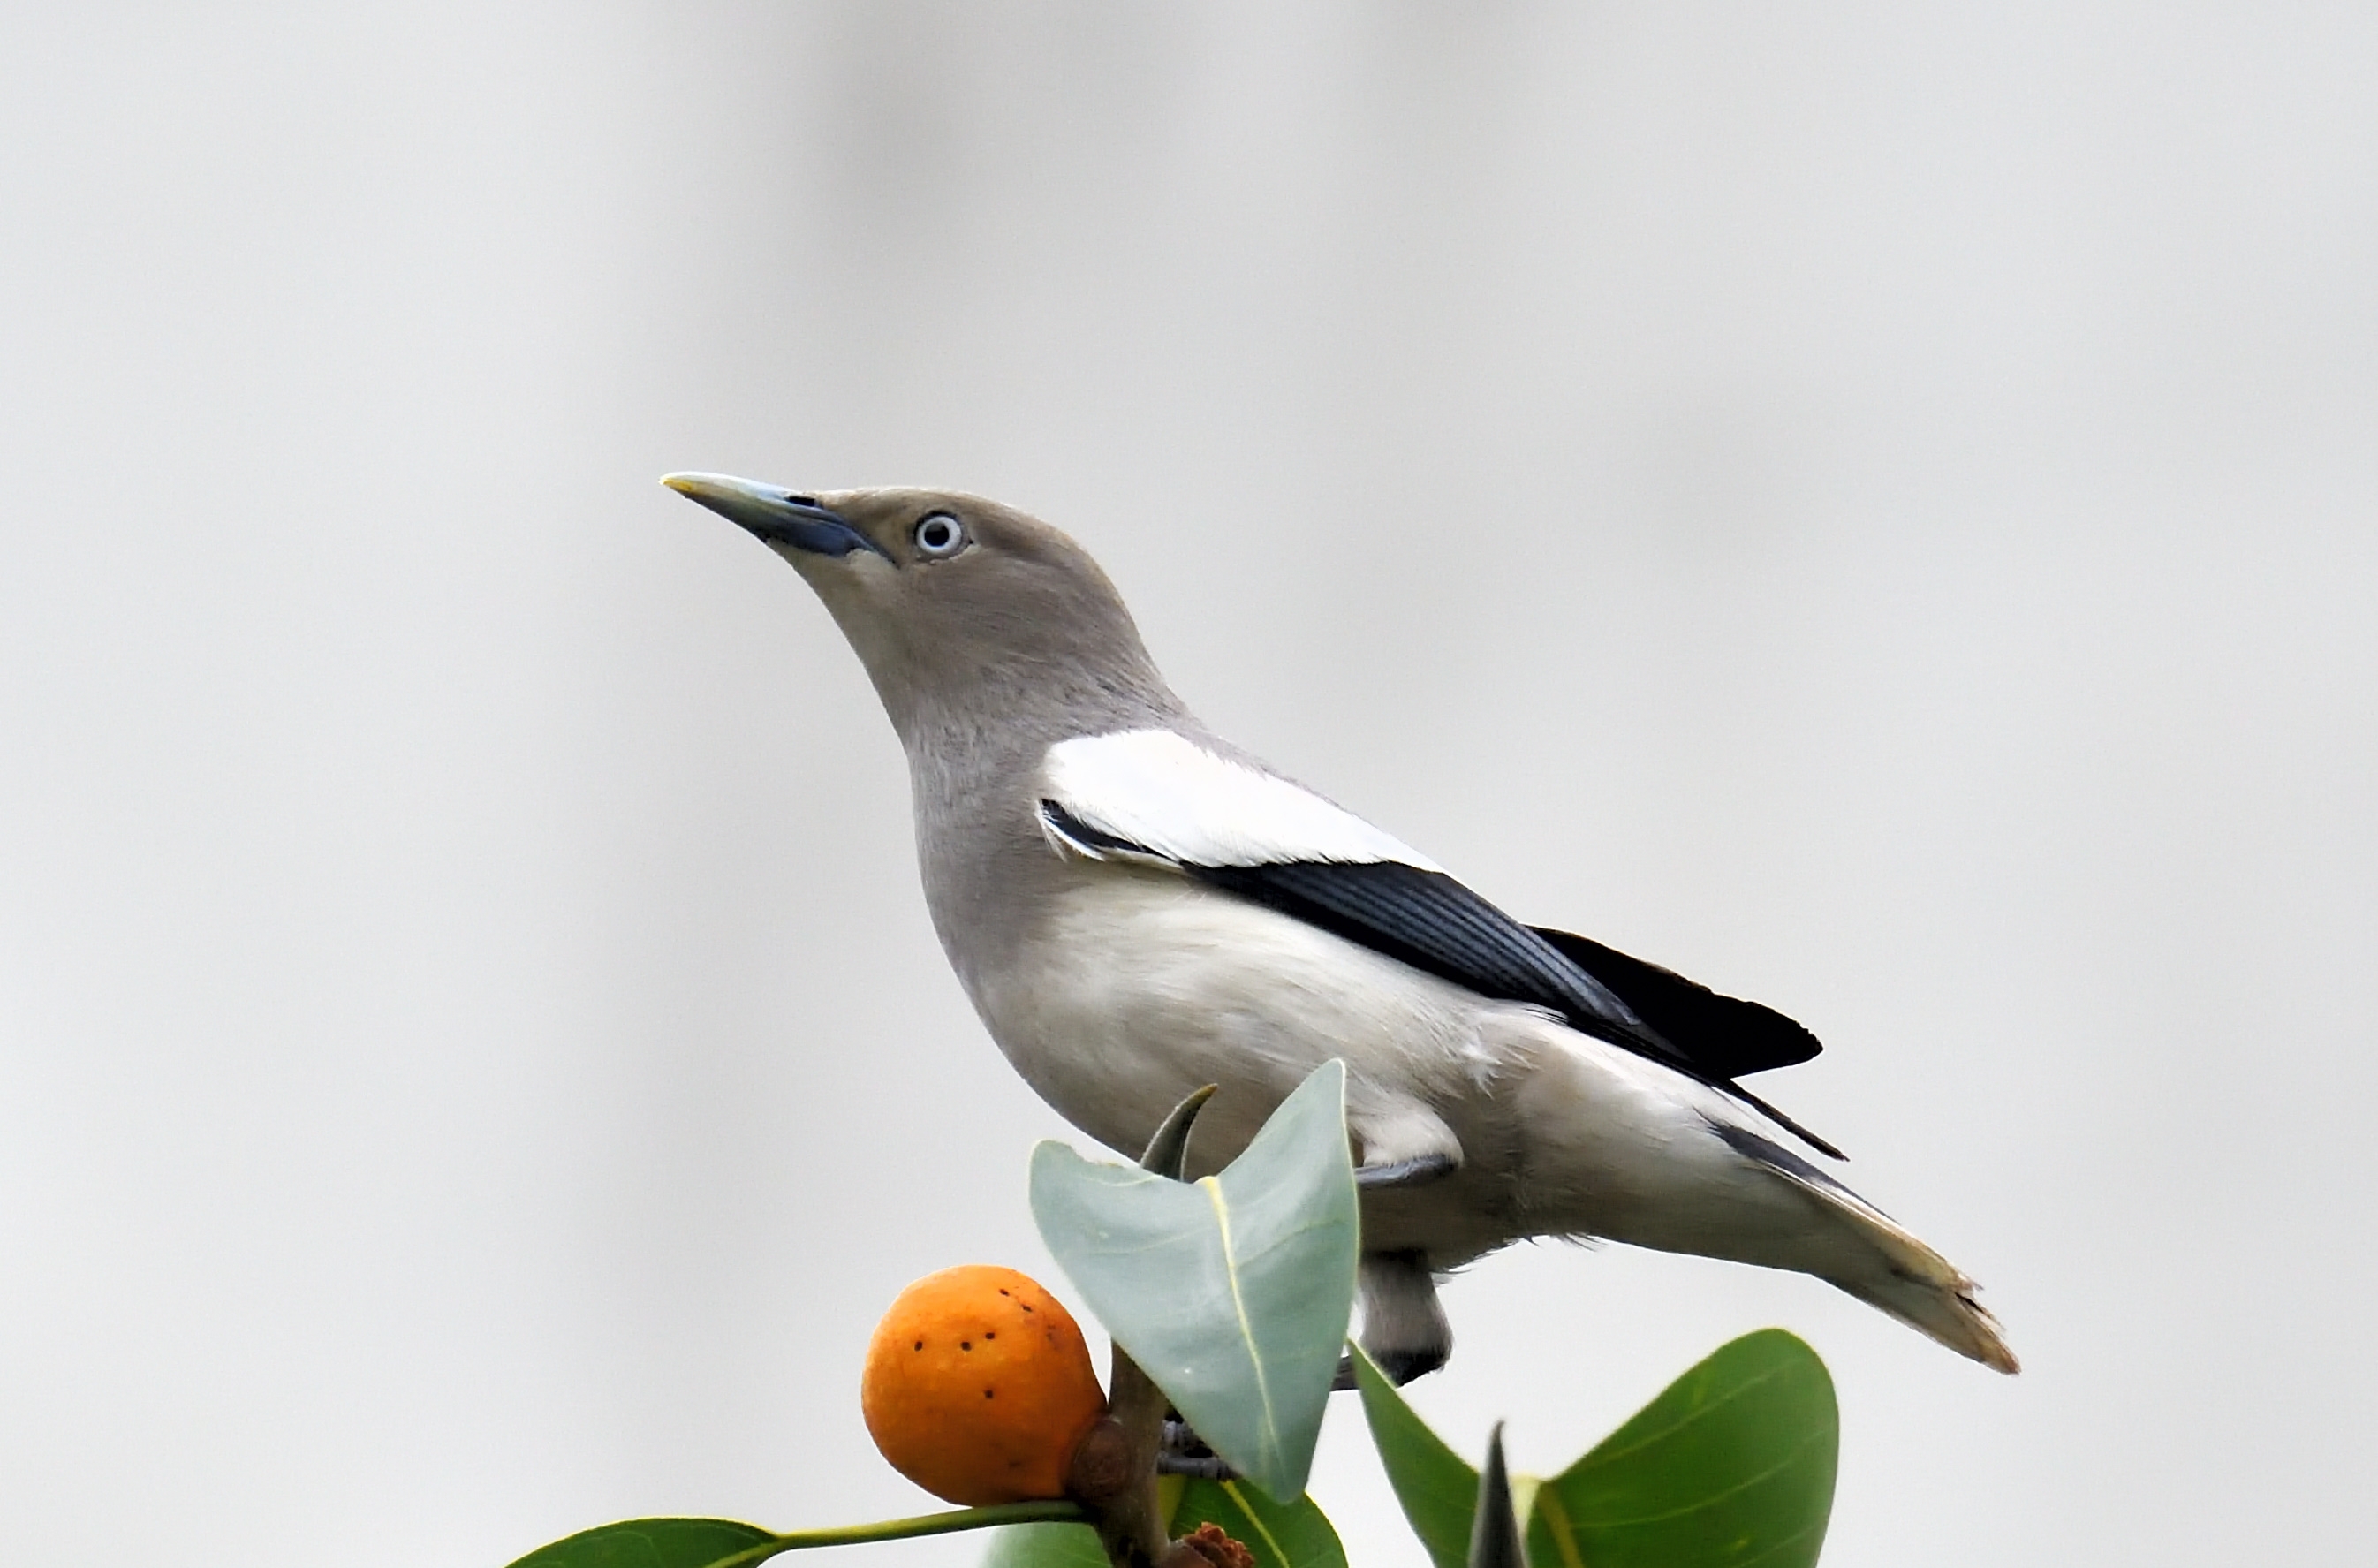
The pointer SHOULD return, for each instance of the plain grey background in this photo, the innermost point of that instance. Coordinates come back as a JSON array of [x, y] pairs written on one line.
[[1874, 506]]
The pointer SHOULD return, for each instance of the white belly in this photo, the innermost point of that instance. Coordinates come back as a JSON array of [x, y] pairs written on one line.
[[1147, 986]]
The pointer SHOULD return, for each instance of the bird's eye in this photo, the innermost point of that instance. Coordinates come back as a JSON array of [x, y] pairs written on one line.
[[939, 537]]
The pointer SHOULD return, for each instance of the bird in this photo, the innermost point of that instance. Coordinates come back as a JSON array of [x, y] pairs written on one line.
[[1139, 908]]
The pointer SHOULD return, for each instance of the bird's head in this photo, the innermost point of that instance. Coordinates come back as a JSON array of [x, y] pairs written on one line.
[[963, 610]]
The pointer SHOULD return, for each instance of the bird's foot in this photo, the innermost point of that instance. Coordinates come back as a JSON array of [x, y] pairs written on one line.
[[1181, 1452], [1417, 1172]]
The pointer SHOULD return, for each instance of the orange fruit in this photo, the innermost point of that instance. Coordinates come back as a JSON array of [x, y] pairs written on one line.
[[978, 1387]]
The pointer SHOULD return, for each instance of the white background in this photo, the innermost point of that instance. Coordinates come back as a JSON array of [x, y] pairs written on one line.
[[1875, 506]]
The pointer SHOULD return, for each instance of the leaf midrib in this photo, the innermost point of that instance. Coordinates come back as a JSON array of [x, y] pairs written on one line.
[[1238, 1305]]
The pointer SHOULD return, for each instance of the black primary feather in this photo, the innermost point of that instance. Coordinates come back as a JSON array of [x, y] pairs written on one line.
[[1726, 1035]]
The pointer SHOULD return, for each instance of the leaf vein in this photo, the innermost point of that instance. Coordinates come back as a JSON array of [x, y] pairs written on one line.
[[1714, 1499], [1604, 1457], [1238, 1305], [1816, 1528]]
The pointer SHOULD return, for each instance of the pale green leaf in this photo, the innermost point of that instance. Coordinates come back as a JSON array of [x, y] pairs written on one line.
[[1232, 1293]]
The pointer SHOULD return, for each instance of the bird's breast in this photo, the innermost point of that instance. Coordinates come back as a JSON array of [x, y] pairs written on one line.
[[1134, 985]]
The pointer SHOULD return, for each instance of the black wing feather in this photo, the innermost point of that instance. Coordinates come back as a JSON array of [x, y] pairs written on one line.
[[1432, 923], [1726, 1035]]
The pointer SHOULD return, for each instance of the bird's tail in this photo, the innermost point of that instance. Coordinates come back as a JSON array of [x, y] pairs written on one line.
[[1907, 1279], [1934, 1300]]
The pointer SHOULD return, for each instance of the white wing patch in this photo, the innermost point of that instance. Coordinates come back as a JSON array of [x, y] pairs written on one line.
[[1187, 806]]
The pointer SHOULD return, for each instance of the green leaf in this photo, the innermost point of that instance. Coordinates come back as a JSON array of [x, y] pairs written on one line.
[[1282, 1535], [1732, 1465], [1438, 1489], [1233, 1292], [650, 1543], [722, 1543], [1045, 1545]]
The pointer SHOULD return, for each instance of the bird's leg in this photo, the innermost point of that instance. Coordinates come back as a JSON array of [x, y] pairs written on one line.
[[1416, 1172], [1403, 1324]]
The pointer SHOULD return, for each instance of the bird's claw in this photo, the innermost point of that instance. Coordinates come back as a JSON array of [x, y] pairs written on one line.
[[1181, 1451], [1417, 1172]]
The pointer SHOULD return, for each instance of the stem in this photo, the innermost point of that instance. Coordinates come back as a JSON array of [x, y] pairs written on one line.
[[1128, 1526], [1055, 1512]]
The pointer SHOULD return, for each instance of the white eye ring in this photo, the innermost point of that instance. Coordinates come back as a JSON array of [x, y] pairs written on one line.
[[939, 537]]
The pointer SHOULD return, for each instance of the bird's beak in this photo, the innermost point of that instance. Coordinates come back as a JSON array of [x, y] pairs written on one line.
[[773, 514]]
